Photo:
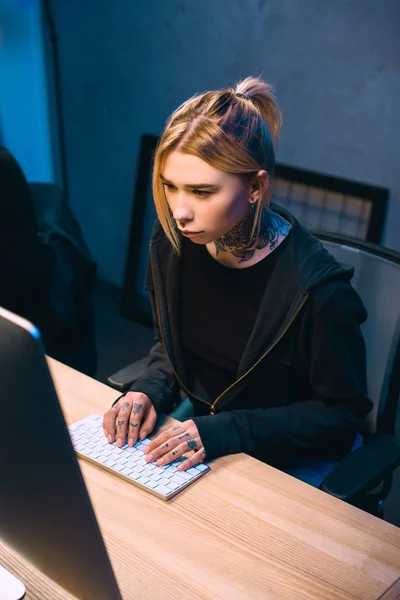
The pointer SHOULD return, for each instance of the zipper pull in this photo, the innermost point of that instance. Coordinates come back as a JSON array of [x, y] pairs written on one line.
[[212, 411]]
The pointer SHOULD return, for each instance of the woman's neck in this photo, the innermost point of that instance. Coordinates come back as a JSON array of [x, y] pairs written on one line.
[[237, 249]]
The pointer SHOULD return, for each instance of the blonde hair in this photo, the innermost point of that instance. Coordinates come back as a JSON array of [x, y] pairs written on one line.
[[233, 130]]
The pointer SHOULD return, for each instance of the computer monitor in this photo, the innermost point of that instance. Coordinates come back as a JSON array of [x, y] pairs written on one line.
[[46, 513]]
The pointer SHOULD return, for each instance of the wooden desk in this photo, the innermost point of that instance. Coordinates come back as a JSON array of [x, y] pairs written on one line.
[[393, 593], [243, 531]]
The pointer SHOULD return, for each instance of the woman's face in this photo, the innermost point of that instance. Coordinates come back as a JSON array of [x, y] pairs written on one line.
[[205, 203]]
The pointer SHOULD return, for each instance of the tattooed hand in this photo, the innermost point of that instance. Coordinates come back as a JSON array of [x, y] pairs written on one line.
[[133, 417], [173, 443]]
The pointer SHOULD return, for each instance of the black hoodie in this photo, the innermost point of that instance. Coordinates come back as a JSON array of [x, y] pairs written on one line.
[[301, 382]]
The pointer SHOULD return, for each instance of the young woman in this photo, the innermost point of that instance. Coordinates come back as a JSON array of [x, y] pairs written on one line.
[[255, 321]]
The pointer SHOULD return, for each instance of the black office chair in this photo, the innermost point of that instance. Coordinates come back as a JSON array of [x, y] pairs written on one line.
[[364, 478], [47, 274], [68, 278]]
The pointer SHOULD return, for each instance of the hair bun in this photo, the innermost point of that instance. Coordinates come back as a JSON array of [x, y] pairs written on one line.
[[262, 95]]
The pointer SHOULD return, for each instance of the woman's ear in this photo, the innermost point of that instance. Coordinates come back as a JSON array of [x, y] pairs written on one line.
[[260, 184]]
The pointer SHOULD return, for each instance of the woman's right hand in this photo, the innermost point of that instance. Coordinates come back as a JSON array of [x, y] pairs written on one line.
[[134, 416]]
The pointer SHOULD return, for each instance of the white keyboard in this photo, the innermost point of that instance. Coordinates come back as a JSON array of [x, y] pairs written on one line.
[[129, 463]]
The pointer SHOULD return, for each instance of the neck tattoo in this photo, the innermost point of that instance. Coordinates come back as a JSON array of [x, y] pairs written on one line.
[[239, 242]]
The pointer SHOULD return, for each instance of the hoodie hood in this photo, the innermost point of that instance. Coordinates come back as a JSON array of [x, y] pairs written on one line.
[[312, 264]]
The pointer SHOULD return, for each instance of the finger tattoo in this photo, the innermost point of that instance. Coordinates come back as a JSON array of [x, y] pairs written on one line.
[[192, 444], [165, 446], [174, 452], [176, 427], [121, 422], [125, 405], [134, 424], [183, 436], [136, 408]]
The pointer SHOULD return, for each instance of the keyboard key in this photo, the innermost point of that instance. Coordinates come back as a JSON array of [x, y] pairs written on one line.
[[177, 480], [126, 471], [152, 484], [138, 473], [115, 452], [185, 475], [201, 468], [172, 486], [143, 479], [165, 482], [192, 471], [101, 441], [163, 489], [167, 468], [147, 474]]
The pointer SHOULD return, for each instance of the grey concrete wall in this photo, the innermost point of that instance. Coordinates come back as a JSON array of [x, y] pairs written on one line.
[[126, 65]]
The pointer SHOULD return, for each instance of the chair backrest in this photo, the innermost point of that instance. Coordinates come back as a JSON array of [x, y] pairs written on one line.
[[377, 280], [68, 276], [55, 216]]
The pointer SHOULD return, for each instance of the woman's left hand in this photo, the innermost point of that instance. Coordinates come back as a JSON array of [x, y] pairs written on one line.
[[173, 443]]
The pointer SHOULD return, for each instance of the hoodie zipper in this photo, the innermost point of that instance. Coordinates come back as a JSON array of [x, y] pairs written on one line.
[[212, 410], [213, 405]]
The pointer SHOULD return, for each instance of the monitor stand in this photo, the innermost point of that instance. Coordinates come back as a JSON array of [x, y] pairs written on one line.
[[11, 588]]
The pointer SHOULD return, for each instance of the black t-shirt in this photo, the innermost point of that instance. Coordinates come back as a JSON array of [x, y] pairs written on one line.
[[218, 311]]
